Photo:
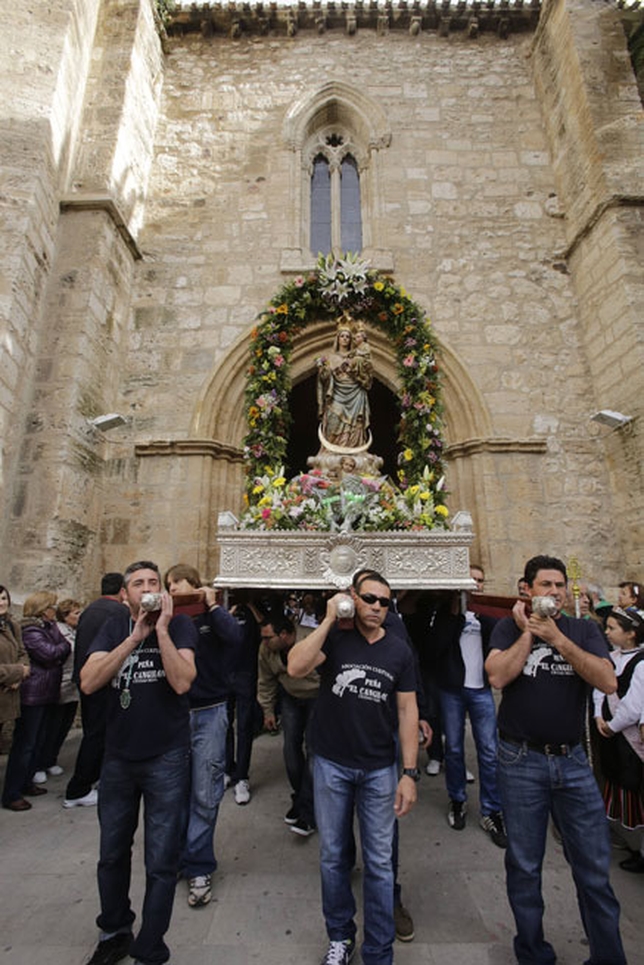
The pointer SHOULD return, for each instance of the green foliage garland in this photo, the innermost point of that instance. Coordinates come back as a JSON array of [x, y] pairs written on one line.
[[338, 285]]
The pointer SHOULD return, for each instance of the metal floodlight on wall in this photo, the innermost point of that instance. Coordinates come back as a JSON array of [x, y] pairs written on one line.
[[610, 418], [109, 421]]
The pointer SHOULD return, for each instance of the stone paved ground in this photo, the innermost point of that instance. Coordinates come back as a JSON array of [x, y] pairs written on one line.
[[266, 905]]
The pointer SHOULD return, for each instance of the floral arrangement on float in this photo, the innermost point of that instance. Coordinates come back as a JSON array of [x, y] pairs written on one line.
[[311, 500]]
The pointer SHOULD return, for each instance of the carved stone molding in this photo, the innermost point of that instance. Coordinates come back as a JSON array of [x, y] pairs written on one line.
[[215, 19], [87, 201], [279, 560], [189, 447], [468, 447]]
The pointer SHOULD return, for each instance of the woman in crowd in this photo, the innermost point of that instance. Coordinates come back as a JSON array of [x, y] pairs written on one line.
[[47, 650], [617, 717], [14, 662], [60, 716]]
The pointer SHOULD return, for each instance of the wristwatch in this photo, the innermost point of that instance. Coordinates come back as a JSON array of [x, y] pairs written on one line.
[[413, 772]]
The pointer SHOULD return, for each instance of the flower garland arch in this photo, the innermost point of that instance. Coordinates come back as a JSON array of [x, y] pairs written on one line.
[[337, 285]]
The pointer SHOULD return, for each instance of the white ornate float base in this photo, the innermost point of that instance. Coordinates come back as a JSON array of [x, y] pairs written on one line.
[[436, 559]]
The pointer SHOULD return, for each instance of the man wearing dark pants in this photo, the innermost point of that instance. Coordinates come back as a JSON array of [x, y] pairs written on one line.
[[545, 663], [148, 656], [80, 790], [297, 700], [367, 673]]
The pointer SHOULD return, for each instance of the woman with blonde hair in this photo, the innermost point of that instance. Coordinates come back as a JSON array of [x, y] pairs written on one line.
[[47, 650], [60, 716]]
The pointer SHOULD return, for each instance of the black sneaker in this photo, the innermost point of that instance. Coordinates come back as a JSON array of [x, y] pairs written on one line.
[[339, 953], [302, 828], [493, 824], [456, 815], [291, 817], [112, 950]]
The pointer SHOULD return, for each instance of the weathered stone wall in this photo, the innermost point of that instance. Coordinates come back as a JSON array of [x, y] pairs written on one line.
[[468, 217], [44, 59], [103, 118], [502, 153], [593, 118]]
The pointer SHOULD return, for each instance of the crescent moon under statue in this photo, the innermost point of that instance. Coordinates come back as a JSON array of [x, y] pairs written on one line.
[[343, 450]]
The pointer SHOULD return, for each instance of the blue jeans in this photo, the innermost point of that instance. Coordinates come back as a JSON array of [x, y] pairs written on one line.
[[208, 726], [455, 704], [296, 715], [338, 791], [163, 783], [534, 786]]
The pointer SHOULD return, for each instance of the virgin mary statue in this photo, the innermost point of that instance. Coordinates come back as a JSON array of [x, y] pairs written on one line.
[[344, 378]]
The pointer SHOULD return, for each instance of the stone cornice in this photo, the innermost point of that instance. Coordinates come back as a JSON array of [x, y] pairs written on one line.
[[189, 447], [470, 447], [89, 201], [234, 20], [221, 450]]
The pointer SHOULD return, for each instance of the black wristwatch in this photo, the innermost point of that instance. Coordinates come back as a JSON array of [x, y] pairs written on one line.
[[413, 772]]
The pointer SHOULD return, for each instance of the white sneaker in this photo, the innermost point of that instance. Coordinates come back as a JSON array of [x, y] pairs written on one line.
[[40, 777], [199, 890], [433, 768], [226, 781], [469, 777], [55, 771], [88, 801], [242, 792]]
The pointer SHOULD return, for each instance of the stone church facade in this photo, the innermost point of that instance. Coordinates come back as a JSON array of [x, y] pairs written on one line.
[[155, 194]]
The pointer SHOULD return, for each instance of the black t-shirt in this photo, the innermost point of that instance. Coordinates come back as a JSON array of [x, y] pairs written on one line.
[[546, 702], [355, 719], [152, 719]]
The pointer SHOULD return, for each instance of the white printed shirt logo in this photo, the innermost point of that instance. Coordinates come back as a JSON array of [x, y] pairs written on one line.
[[143, 670], [345, 679], [363, 682], [543, 658]]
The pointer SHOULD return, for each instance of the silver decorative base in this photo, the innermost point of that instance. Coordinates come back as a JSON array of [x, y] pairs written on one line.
[[429, 560]]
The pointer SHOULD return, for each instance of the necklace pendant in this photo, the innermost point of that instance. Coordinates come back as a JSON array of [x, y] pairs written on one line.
[[126, 699]]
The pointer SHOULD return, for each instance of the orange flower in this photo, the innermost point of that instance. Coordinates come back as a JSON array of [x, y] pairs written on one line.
[[282, 309], [398, 309]]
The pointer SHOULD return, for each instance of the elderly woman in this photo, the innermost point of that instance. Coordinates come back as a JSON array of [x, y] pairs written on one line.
[[14, 662], [60, 716], [47, 650]]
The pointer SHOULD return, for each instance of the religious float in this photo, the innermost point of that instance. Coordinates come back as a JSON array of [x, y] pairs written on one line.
[[316, 528]]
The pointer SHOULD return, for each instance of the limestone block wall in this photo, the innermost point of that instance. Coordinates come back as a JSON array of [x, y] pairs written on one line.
[[500, 209], [471, 219], [44, 59], [58, 471], [594, 122]]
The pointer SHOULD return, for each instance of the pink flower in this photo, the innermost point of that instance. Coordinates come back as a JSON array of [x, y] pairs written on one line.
[[409, 361], [299, 281], [278, 361], [266, 512]]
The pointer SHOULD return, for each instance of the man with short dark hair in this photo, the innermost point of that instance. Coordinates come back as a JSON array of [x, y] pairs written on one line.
[[297, 696], [366, 675], [80, 791], [545, 665], [147, 656], [219, 637]]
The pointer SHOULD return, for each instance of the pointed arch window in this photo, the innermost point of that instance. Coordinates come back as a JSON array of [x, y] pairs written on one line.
[[336, 135], [336, 213]]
